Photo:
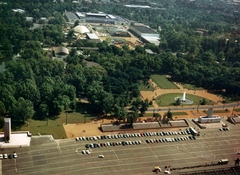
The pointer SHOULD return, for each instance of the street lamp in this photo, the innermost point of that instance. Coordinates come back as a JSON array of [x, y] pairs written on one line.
[[47, 119], [66, 116], [85, 116]]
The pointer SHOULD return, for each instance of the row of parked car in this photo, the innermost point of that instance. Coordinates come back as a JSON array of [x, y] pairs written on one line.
[[144, 134], [8, 156], [99, 145], [224, 129], [175, 139]]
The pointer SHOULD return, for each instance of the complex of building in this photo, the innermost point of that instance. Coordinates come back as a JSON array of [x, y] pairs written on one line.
[[102, 18], [144, 33]]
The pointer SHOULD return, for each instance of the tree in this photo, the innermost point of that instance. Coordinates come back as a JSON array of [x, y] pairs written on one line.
[[169, 115], [21, 110]]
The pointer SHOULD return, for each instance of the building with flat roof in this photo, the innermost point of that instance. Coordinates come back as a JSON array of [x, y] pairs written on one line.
[[92, 37], [145, 33], [101, 18]]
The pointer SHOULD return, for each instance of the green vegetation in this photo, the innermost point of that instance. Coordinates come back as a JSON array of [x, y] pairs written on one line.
[[237, 110], [163, 82], [168, 99], [146, 87], [179, 113], [218, 111], [193, 51], [191, 87], [55, 126]]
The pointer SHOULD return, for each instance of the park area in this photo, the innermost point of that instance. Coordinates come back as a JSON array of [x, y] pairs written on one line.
[[160, 88], [163, 82]]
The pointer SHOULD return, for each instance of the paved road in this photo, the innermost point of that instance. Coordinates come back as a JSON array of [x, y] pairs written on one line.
[[188, 108], [46, 156]]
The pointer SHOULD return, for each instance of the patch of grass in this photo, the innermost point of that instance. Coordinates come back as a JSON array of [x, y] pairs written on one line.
[[191, 87], [237, 110], [55, 127], [221, 111], [168, 99], [179, 113], [218, 111], [146, 87], [163, 82]]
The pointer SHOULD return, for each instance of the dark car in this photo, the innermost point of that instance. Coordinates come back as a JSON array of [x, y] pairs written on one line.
[[87, 145], [10, 156]]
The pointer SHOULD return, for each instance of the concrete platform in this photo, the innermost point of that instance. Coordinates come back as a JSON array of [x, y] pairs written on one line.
[[18, 139]]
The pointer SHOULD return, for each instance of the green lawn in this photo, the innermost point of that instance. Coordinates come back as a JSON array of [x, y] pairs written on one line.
[[218, 111], [237, 110], [191, 87], [168, 99], [163, 82], [54, 127]]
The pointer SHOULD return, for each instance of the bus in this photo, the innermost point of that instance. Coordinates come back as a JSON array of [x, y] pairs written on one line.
[[193, 131]]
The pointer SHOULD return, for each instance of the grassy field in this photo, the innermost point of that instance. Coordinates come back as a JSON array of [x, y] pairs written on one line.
[[146, 87], [168, 99], [218, 111], [54, 127], [237, 110], [163, 82], [191, 87]]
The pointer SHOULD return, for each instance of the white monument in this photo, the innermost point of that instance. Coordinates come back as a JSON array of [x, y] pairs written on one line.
[[184, 96], [210, 118]]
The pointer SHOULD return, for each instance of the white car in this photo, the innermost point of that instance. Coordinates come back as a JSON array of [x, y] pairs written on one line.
[[88, 152], [1, 156], [14, 155], [83, 151], [5, 156], [77, 139], [101, 156]]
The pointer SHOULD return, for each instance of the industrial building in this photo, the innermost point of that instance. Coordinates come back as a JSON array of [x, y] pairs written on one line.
[[101, 18], [146, 34]]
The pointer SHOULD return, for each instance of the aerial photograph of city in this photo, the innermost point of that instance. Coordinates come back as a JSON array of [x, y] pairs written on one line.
[[119, 87]]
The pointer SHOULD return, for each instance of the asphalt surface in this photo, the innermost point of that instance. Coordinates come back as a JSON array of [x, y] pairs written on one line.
[[47, 156], [194, 108]]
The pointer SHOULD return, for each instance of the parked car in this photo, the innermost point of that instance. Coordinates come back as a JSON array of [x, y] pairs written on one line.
[[77, 139], [101, 156], [88, 152], [5, 156], [83, 151], [14, 155], [1, 156]]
